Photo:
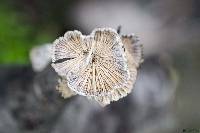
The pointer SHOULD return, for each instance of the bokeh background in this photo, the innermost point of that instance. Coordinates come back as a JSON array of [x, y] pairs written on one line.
[[164, 99]]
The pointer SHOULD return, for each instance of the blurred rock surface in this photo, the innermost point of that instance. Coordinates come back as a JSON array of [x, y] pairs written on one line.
[[30, 104]]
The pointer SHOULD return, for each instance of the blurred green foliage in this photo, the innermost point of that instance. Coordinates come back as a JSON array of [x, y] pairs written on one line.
[[17, 37]]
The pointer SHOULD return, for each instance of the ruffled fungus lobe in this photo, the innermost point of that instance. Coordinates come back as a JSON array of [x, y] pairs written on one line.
[[101, 66]]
